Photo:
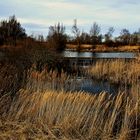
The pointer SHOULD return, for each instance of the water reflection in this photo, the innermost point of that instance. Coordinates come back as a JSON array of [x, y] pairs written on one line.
[[94, 86], [83, 59], [72, 54]]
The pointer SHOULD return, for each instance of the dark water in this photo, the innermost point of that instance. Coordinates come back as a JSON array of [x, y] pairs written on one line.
[[95, 86], [91, 85], [72, 54]]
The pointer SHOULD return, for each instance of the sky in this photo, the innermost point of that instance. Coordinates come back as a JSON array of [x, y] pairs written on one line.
[[37, 15]]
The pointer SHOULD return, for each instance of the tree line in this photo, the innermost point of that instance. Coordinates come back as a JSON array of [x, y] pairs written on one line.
[[11, 31]]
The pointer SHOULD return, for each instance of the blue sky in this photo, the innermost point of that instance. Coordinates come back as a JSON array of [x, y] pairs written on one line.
[[37, 15]]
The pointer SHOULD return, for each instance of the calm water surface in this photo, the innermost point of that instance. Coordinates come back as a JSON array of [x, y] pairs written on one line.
[[94, 86], [73, 54]]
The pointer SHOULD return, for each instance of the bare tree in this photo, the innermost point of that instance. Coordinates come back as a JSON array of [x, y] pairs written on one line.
[[76, 31], [110, 32], [125, 36], [108, 37], [85, 38], [94, 33], [135, 38], [138, 37], [57, 37]]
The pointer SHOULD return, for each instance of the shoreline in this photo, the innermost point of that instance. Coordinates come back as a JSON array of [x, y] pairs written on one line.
[[103, 48]]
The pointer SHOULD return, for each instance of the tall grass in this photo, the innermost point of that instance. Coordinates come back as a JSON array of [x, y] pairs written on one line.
[[46, 107], [75, 115], [52, 80], [124, 73], [119, 70], [9, 78]]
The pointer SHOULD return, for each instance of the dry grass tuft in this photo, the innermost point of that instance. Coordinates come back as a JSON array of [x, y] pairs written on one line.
[[73, 115], [116, 70], [124, 73]]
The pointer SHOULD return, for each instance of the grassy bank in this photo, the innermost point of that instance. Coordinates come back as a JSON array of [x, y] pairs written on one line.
[[104, 48]]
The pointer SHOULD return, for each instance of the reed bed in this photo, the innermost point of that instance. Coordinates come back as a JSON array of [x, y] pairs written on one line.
[[70, 116], [104, 48], [124, 73], [9, 81], [52, 80], [119, 70], [47, 107]]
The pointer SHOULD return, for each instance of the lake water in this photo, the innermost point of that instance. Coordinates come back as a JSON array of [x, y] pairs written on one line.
[[84, 58], [94, 86], [72, 54]]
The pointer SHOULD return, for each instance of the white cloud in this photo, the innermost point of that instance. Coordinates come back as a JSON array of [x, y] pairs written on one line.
[[43, 13]]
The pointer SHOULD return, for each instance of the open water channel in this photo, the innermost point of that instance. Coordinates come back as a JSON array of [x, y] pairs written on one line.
[[89, 84]]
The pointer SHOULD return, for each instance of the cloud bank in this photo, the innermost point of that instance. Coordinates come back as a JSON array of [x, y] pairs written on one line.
[[38, 15]]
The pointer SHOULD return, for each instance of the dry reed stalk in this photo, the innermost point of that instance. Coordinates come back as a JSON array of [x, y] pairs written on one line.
[[78, 115], [69, 115]]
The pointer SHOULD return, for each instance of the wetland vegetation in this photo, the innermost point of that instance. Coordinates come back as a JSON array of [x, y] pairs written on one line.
[[40, 89]]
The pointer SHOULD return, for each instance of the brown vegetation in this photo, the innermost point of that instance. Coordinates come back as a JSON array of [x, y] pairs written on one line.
[[70, 116], [119, 70], [124, 73], [104, 48], [37, 97], [39, 110]]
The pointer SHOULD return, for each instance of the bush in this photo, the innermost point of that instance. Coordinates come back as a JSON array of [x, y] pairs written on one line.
[[57, 38], [11, 31]]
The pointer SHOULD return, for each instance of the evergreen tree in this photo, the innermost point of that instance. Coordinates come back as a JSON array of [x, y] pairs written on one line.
[[11, 31]]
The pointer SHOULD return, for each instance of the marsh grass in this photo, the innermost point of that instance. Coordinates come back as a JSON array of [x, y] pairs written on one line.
[[124, 73], [47, 107], [116, 70], [52, 80], [9, 79], [75, 115], [104, 48]]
